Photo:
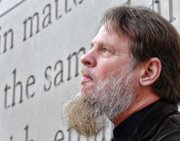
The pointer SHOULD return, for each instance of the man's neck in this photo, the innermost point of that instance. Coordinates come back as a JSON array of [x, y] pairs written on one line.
[[136, 106]]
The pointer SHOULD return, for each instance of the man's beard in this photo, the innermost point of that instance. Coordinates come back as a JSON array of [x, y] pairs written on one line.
[[88, 114]]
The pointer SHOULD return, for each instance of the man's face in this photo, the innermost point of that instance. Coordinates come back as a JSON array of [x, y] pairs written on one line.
[[109, 55], [107, 84]]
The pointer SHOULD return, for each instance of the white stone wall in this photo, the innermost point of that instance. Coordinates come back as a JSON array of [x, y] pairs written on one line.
[[41, 43]]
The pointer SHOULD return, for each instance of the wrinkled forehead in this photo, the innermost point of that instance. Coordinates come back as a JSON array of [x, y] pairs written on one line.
[[108, 27], [114, 28], [107, 32]]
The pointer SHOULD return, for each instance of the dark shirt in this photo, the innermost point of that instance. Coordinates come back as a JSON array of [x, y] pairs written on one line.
[[159, 121]]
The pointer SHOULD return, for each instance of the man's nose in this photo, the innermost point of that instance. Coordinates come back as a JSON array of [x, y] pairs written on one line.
[[88, 59]]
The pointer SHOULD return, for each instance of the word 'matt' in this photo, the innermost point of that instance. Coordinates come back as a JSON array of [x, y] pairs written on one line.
[[37, 22]]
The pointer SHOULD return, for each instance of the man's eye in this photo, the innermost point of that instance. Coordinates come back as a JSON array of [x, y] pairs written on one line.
[[106, 52]]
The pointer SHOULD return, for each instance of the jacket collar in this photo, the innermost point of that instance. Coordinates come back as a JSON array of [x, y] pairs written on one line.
[[159, 111], [144, 123]]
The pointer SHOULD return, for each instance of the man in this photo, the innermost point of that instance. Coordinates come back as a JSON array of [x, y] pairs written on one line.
[[132, 76]]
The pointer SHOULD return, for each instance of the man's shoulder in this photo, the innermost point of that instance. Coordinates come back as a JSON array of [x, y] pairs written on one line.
[[172, 122], [169, 129], [174, 119]]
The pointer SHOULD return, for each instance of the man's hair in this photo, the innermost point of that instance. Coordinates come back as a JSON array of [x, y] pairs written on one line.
[[150, 35]]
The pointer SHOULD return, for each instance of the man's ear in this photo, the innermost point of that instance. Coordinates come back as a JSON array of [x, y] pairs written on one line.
[[151, 71]]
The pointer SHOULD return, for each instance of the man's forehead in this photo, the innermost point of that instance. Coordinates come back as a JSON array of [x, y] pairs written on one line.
[[102, 37], [106, 28], [107, 32], [112, 30]]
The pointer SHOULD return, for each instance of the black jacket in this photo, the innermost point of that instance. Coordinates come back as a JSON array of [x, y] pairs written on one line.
[[157, 122]]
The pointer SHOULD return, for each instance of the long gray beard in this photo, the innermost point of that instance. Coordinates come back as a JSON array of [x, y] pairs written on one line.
[[87, 114]]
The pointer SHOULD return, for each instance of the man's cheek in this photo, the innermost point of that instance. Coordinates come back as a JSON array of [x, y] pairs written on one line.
[[103, 73]]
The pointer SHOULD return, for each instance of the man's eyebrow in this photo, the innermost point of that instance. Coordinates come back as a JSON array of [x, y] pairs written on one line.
[[101, 44]]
